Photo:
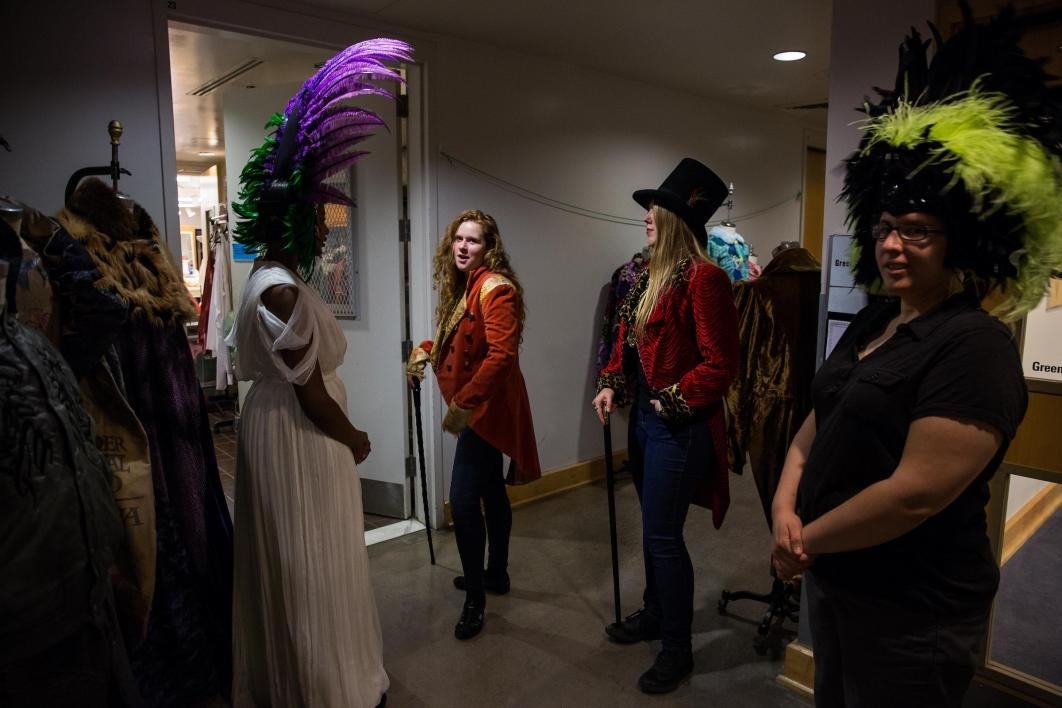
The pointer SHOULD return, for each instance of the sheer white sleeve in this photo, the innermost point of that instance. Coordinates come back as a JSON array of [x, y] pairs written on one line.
[[299, 331]]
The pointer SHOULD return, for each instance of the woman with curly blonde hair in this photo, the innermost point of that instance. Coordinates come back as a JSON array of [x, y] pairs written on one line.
[[475, 356]]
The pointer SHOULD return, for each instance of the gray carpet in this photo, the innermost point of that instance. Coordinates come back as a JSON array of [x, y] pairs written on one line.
[[1027, 632]]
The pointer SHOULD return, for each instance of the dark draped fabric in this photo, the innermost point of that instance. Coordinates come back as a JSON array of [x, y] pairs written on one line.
[[186, 655], [777, 327], [185, 659], [621, 283]]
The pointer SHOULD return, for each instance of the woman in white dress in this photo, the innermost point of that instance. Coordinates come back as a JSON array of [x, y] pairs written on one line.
[[306, 632], [305, 626]]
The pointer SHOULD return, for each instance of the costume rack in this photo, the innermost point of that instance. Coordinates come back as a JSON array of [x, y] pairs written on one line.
[[114, 170]]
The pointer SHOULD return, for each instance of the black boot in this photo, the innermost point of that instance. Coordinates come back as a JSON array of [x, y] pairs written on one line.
[[642, 626], [667, 672], [494, 583], [471, 622]]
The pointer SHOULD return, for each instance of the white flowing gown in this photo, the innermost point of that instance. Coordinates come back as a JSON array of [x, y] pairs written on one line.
[[305, 627]]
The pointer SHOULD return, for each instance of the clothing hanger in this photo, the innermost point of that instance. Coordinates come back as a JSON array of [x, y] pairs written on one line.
[[10, 207], [784, 246], [115, 170], [727, 223]]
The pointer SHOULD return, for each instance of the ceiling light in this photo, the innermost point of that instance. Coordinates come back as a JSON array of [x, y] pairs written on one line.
[[206, 154], [789, 56]]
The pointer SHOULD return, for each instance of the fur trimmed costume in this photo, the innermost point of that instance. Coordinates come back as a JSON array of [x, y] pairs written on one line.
[[186, 655]]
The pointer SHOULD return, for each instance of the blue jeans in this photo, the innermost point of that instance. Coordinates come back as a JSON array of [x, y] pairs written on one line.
[[666, 460], [478, 476]]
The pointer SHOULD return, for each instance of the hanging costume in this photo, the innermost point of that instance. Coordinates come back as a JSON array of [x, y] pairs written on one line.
[[186, 653], [621, 283], [60, 531], [219, 309], [771, 396], [728, 250]]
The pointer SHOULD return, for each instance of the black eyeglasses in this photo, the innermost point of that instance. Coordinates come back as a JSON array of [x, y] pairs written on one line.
[[910, 233]]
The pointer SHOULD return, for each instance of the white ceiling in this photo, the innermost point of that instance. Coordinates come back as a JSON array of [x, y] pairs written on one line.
[[707, 47], [198, 55]]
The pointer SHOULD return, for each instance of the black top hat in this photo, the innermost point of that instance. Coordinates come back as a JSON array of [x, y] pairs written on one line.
[[692, 191]]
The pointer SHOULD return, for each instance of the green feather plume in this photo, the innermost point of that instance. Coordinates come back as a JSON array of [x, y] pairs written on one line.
[[976, 138]]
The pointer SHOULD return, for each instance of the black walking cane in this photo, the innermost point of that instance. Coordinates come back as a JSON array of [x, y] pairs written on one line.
[[610, 484], [423, 473]]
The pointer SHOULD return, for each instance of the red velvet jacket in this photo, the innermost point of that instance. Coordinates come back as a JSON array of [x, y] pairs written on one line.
[[690, 356], [475, 356]]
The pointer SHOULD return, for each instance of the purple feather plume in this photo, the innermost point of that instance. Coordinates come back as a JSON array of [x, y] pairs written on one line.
[[327, 125]]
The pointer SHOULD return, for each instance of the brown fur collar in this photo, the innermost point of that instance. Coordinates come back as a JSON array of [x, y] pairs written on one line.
[[125, 246]]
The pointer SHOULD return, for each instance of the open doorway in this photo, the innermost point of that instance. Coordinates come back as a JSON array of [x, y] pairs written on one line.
[[225, 85]]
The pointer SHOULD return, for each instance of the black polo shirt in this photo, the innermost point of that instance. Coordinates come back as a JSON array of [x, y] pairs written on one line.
[[955, 361]]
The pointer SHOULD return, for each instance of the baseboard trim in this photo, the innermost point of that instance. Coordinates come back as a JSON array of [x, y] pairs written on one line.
[[1027, 520], [556, 482], [383, 498], [395, 530], [798, 670]]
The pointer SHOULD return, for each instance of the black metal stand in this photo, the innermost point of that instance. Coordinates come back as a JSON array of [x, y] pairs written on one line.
[[610, 484], [783, 602], [423, 473]]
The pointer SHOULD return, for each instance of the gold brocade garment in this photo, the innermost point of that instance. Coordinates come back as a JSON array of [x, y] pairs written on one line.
[[771, 396]]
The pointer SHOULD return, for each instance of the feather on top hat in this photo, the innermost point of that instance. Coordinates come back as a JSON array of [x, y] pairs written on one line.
[[974, 137], [692, 191], [316, 136]]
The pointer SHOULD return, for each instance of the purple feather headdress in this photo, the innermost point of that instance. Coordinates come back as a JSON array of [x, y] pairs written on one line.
[[316, 137]]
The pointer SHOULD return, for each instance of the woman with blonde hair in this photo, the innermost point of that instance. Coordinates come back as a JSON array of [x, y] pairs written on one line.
[[673, 360], [475, 356]]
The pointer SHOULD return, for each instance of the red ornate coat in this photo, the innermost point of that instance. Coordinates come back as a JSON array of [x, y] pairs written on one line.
[[475, 356], [690, 356]]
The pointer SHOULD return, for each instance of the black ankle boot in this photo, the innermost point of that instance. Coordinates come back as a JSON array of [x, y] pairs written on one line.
[[641, 626], [471, 622], [494, 583], [667, 672]]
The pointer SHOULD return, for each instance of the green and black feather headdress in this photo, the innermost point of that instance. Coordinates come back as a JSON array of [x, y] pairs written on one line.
[[315, 137], [974, 137]]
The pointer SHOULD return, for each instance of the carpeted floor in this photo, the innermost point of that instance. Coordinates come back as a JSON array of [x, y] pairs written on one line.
[[1027, 631]]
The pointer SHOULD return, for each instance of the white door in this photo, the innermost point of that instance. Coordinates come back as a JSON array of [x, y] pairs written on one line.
[[373, 371]]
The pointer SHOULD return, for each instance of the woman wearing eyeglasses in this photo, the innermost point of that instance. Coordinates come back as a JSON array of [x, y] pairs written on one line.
[[882, 495]]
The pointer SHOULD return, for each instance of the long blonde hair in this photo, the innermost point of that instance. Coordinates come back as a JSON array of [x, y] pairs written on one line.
[[450, 282], [675, 242]]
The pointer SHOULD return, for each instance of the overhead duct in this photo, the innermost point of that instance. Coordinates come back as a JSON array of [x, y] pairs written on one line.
[[225, 78]]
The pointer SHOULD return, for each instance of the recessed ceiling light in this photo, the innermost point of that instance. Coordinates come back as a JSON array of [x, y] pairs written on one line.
[[789, 56], [208, 153]]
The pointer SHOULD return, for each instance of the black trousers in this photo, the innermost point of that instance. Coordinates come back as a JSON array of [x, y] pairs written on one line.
[[478, 477], [871, 653]]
